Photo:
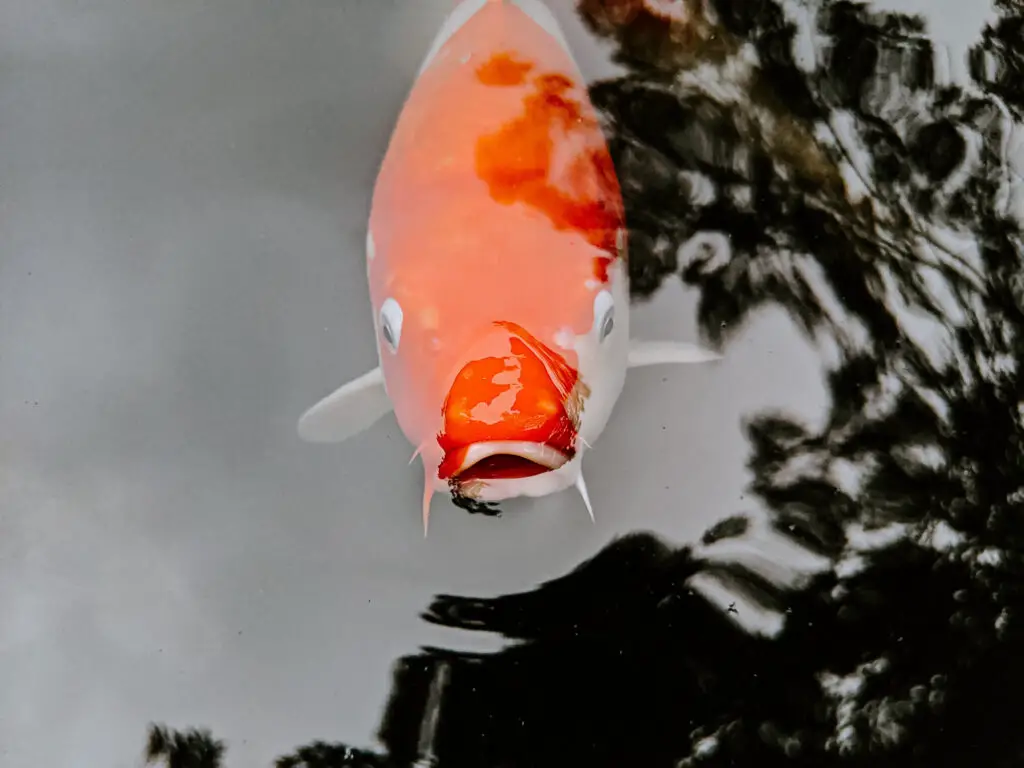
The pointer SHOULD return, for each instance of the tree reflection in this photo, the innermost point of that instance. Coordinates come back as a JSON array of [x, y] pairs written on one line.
[[875, 204], [320, 754], [191, 748]]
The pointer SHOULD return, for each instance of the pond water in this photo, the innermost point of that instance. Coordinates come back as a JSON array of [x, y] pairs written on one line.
[[808, 553]]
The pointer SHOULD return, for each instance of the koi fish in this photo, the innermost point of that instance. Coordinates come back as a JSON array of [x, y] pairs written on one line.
[[496, 257]]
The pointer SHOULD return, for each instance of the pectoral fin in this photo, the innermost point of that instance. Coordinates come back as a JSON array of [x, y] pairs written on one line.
[[347, 411], [643, 353]]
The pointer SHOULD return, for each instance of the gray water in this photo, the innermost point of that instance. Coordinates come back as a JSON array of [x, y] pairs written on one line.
[[183, 193]]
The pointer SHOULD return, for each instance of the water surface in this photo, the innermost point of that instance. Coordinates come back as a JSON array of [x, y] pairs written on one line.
[[807, 554]]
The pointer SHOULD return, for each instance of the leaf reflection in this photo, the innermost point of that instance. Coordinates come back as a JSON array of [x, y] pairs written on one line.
[[191, 748]]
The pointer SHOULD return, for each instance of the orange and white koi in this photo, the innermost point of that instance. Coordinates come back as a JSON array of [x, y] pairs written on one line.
[[496, 257]]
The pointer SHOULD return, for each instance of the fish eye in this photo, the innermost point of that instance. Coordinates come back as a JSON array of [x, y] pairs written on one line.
[[391, 323], [604, 314]]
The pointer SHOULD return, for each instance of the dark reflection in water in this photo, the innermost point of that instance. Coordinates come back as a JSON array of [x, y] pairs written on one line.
[[191, 748], [835, 191]]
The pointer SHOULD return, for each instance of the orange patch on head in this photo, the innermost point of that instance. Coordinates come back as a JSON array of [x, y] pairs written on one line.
[[565, 375], [517, 162], [503, 69], [531, 406]]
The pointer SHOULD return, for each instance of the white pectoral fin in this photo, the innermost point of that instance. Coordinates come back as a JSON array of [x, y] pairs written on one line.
[[643, 353], [347, 411]]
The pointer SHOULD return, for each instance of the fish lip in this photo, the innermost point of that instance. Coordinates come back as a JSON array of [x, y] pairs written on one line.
[[547, 452], [542, 454]]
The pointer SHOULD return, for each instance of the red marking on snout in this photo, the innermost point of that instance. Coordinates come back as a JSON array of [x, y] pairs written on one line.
[[509, 398]]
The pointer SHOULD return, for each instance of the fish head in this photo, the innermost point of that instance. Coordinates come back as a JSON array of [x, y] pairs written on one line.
[[523, 408], [505, 378]]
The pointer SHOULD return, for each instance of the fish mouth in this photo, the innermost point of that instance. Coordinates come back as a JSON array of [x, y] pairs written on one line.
[[504, 460], [511, 413]]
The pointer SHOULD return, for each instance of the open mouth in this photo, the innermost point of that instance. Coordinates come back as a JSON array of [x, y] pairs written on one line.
[[512, 412], [505, 460]]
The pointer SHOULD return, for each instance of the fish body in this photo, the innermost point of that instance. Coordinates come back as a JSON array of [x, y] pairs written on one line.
[[497, 267]]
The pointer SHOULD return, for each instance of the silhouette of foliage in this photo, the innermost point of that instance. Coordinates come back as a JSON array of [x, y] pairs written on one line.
[[320, 754], [730, 527], [191, 748], [997, 61]]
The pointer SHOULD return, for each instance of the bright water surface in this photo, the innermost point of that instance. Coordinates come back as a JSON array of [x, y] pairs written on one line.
[[808, 554]]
